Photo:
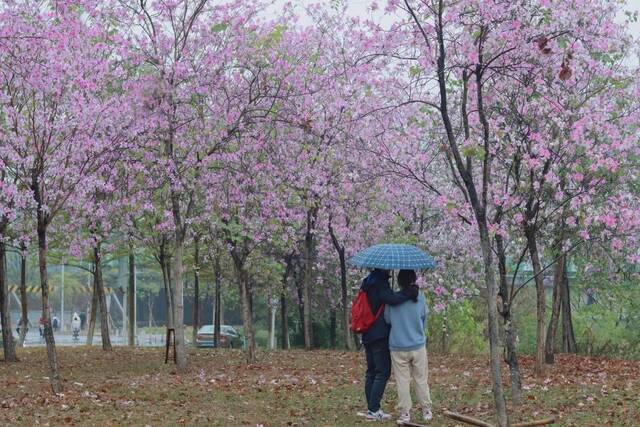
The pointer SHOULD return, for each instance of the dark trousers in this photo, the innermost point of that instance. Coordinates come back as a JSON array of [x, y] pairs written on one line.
[[378, 372]]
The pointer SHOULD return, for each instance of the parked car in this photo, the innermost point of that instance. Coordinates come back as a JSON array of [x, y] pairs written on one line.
[[229, 337]]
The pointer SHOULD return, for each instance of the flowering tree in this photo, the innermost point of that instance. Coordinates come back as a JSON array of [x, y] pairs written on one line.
[[9, 196], [506, 126], [471, 53], [97, 215], [547, 144], [194, 103], [59, 119], [329, 188]]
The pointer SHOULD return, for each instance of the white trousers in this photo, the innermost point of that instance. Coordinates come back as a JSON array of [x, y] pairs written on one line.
[[408, 365]]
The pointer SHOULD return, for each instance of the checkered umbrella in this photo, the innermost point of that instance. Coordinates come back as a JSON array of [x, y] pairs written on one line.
[[393, 256]]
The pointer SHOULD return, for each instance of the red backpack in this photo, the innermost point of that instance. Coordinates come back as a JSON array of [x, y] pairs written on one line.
[[362, 317]]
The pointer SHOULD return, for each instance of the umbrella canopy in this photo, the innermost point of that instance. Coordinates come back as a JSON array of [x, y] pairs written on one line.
[[393, 256]]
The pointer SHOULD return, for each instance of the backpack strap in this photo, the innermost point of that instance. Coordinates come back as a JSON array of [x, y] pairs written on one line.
[[380, 311]]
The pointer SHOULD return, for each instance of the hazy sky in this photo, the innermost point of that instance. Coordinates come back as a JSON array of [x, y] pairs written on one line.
[[363, 8]]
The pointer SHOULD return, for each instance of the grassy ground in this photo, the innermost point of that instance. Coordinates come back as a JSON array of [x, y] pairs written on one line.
[[319, 388]]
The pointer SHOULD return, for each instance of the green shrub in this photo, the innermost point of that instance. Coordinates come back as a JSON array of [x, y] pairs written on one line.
[[603, 332], [456, 330], [525, 326], [262, 338]]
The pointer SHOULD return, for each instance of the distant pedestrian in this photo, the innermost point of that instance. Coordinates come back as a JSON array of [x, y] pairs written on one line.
[[76, 322], [26, 326], [83, 320], [75, 326], [55, 323], [41, 327]]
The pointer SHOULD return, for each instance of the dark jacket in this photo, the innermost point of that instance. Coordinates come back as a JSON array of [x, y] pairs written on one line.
[[376, 286]]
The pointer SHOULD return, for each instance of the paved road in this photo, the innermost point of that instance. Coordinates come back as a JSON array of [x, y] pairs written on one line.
[[33, 339]]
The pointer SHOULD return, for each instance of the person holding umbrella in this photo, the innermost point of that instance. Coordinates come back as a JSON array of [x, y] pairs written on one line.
[[376, 339], [382, 258]]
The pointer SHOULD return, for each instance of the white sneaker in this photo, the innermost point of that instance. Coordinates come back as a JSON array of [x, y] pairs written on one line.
[[427, 414], [405, 417], [379, 415]]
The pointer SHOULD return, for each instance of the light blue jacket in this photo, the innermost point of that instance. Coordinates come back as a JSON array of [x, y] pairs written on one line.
[[408, 322]]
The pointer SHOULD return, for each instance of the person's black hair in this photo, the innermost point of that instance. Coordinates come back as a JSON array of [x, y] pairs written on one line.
[[407, 280], [384, 273]]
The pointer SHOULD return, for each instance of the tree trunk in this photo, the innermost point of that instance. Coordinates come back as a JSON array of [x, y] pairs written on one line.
[[24, 318], [196, 290], [178, 303], [170, 293], [549, 347], [344, 291], [509, 332], [492, 311], [284, 322], [8, 343], [247, 317], [217, 317], [270, 325], [273, 309], [94, 308], [568, 337], [52, 357], [512, 361], [539, 367], [179, 233], [560, 265], [307, 281], [284, 309], [333, 317], [247, 313], [166, 280], [150, 321], [346, 306], [102, 300], [445, 332], [477, 201], [131, 295], [480, 209], [299, 286]]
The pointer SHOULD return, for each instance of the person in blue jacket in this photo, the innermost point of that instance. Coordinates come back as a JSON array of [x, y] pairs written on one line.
[[407, 342], [376, 339]]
